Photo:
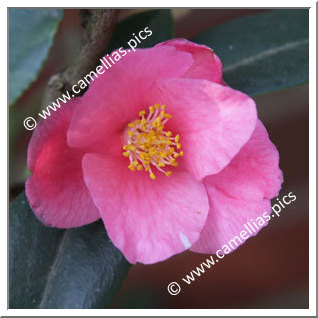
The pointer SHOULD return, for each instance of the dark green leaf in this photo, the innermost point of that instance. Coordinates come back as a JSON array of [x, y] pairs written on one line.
[[31, 33], [160, 22], [262, 52], [52, 268]]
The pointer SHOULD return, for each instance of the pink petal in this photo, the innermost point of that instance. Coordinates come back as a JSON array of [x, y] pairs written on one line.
[[207, 64], [241, 193], [148, 220], [56, 190], [214, 121], [116, 97]]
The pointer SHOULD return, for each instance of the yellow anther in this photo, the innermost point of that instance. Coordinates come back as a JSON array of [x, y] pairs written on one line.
[[149, 146], [142, 112], [133, 148]]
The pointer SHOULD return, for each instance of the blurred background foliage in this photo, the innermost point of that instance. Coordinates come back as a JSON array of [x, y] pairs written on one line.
[[263, 51]]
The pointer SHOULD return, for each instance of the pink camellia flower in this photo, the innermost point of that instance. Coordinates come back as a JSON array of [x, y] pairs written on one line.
[[162, 150]]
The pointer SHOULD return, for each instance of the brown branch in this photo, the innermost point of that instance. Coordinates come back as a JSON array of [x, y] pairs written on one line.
[[99, 26]]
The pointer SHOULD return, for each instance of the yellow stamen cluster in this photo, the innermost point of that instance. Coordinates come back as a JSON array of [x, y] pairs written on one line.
[[149, 145]]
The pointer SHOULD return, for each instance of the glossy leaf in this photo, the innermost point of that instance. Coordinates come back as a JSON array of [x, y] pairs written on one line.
[[160, 22], [262, 52], [52, 268], [31, 33]]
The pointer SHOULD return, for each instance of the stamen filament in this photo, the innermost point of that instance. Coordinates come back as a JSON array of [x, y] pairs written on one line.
[[149, 145]]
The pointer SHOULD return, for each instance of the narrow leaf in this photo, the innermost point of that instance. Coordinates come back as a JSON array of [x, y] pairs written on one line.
[[52, 268], [160, 22], [31, 33], [262, 52]]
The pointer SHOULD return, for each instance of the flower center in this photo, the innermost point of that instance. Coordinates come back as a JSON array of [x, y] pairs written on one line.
[[149, 146]]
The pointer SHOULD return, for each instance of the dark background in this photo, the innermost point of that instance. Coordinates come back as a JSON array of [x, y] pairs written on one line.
[[270, 270]]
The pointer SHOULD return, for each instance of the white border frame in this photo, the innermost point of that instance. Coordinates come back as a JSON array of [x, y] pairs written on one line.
[[312, 161]]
